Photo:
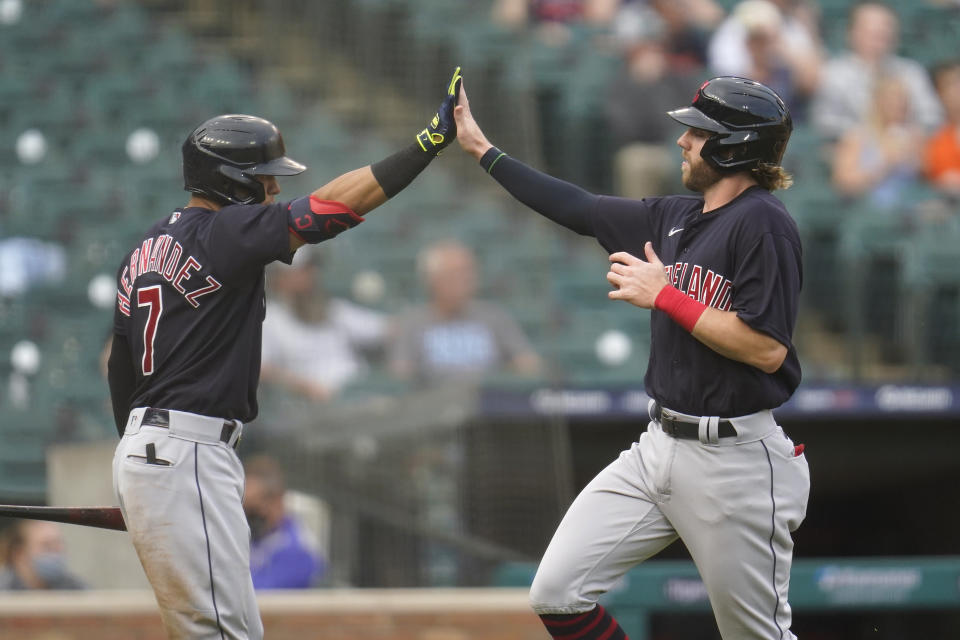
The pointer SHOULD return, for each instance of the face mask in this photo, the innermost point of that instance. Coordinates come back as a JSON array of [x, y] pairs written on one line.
[[51, 568], [258, 525]]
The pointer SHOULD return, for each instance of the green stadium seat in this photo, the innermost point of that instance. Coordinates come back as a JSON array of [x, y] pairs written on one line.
[[172, 56], [24, 436], [930, 282]]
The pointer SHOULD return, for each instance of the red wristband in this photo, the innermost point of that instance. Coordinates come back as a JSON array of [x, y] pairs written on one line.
[[681, 308]]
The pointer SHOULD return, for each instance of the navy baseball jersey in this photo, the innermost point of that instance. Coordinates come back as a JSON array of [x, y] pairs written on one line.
[[743, 257], [190, 302]]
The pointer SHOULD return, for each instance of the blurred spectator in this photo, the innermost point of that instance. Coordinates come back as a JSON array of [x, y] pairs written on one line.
[[282, 552], [942, 153], [646, 159], [314, 345], [516, 14], [843, 98], [881, 158], [33, 557], [688, 25], [455, 337], [29, 262], [767, 41], [553, 37]]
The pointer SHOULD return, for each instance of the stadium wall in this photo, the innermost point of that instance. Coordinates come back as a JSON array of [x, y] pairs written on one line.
[[371, 614]]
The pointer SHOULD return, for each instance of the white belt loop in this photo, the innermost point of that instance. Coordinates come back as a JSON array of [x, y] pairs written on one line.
[[710, 429], [237, 433], [134, 420]]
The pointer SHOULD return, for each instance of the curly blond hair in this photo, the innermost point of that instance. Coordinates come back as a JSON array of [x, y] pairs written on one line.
[[772, 176]]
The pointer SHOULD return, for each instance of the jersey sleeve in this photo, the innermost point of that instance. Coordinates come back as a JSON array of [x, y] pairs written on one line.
[[242, 239], [622, 224], [767, 285]]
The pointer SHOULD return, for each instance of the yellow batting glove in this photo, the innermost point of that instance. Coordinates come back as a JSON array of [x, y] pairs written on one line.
[[442, 129]]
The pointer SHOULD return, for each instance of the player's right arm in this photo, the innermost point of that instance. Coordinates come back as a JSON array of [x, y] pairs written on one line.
[[341, 203], [122, 379], [644, 283], [563, 202]]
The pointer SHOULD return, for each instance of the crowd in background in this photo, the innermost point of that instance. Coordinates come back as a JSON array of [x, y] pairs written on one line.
[[886, 128], [315, 345], [888, 122], [887, 131]]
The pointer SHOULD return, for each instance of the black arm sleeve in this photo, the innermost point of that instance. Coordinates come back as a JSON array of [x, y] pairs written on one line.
[[564, 203], [122, 379], [395, 172]]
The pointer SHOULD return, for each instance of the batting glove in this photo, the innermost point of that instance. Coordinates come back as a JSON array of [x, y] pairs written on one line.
[[442, 130]]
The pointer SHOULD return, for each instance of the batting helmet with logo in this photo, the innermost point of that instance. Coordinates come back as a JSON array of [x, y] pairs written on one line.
[[750, 123], [223, 156]]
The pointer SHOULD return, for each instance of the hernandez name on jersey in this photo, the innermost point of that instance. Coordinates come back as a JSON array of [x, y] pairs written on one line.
[[164, 256]]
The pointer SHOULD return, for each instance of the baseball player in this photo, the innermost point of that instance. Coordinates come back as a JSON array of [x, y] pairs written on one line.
[[185, 358], [722, 272]]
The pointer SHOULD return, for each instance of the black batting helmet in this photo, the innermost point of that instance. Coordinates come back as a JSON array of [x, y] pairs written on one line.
[[750, 123], [223, 155]]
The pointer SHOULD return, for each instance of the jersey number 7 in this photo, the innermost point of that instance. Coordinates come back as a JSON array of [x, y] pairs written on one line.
[[150, 297]]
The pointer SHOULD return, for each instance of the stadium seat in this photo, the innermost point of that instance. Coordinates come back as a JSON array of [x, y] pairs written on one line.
[[930, 285]]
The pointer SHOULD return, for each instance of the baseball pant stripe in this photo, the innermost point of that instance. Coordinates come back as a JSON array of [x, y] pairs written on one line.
[[773, 533], [206, 536]]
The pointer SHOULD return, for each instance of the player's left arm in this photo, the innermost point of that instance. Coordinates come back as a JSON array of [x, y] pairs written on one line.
[[645, 284], [341, 203]]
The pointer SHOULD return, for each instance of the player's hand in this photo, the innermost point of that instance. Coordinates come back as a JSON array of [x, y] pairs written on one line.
[[637, 281], [469, 135], [442, 129]]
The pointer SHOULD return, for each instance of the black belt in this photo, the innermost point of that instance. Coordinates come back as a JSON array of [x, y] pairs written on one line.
[[689, 428], [161, 418]]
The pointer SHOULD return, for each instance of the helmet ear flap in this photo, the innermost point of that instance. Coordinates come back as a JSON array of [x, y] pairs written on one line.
[[245, 190], [726, 158], [729, 157]]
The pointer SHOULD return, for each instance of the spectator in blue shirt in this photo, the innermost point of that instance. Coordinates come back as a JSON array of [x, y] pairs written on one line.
[[282, 550]]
